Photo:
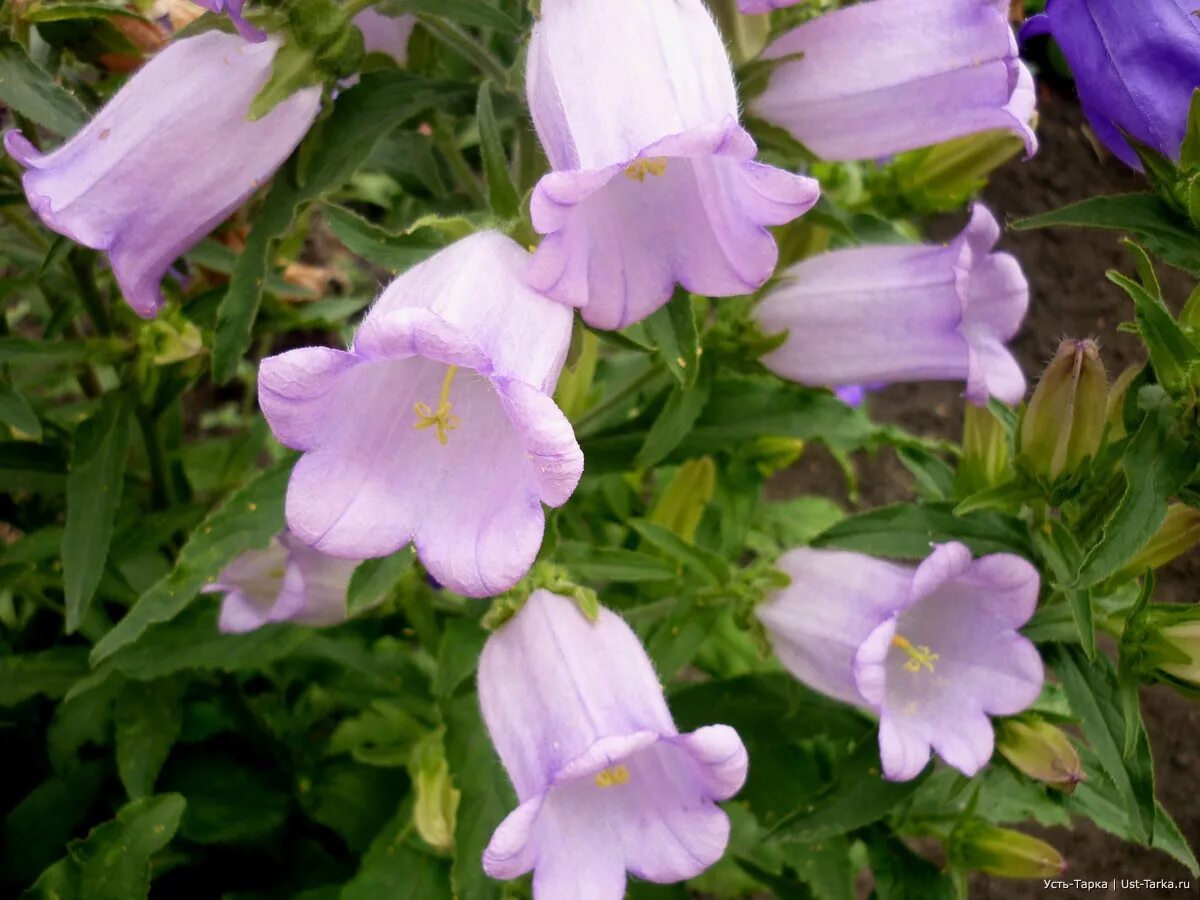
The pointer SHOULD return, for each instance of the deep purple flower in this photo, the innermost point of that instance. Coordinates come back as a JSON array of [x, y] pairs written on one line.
[[606, 782], [935, 649], [882, 77], [437, 426], [233, 8], [895, 313], [285, 582], [1135, 65], [385, 34], [654, 180], [168, 159]]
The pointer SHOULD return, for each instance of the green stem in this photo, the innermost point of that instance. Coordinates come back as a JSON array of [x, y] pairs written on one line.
[[467, 47], [447, 142], [81, 263], [587, 422], [27, 228], [160, 485]]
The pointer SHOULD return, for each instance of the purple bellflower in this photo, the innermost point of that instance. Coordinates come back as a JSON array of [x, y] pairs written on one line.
[[606, 782], [385, 34], [878, 78], [167, 159], [894, 313], [285, 582], [437, 426], [1135, 66], [752, 7], [233, 8], [654, 181], [934, 650]]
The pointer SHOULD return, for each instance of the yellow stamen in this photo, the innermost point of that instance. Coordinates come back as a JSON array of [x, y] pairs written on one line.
[[640, 168], [918, 656], [618, 774], [443, 419]]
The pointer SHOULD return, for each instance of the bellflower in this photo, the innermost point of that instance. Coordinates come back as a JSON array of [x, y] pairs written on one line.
[[654, 181], [437, 426], [752, 7], [933, 650], [903, 313], [606, 782], [233, 8], [1135, 68], [385, 34], [878, 78], [167, 159], [285, 582]]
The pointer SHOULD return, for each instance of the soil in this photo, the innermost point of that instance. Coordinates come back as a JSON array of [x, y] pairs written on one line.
[[1070, 298]]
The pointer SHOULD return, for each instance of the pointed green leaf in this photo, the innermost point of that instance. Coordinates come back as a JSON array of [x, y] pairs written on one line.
[[31, 91], [502, 193]]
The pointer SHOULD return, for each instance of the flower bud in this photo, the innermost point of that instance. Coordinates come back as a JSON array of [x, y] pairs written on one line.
[[437, 799], [1064, 423], [1175, 649], [681, 506], [1040, 750], [745, 35], [945, 176], [979, 846], [1116, 402], [985, 456], [1180, 532]]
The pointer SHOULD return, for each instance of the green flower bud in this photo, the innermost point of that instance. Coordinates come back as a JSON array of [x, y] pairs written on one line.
[[1040, 750], [681, 506], [1170, 648], [745, 36], [1064, 423], [944, 176], [436, 806], [985, 459], [1116, 402], [1180, 532], [979, 846]]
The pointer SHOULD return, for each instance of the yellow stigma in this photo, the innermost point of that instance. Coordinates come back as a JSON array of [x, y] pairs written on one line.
[[618, 774], [443, 419], [918, 657], [640, 168]]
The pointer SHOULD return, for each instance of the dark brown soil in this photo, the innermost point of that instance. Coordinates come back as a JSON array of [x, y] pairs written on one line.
[[1071, 298]]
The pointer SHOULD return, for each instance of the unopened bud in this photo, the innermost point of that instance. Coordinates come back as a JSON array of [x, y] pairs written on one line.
[[943, 176], [681, 506], [1116, 402], [1171, 648], [1040, 750], [1064, 423], [744, 35], [772, 454], [436, 806], [1180, 532], [979, 846], [985, 460]]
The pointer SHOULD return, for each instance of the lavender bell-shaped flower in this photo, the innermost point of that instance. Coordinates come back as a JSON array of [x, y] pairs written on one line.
[[878, 78], [167, 159], [654, 180], [895, 313], [437, 426], [287, 581], [1135, 66], [606, 782], [233, 8], [385, 34], [936, 649]]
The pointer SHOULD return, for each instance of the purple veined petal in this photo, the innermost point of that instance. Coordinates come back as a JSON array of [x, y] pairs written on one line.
[[618, 243], [654, 182], [752, 7], [233, 8], [414, 435], [285, 582], [887, 314], [167, 159], [835, 599], [949, 659], [1135, 71], [606, 782], [886, 76], [388, 35]]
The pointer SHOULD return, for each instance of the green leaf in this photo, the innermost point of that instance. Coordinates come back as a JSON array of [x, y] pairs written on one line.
[[38, 827], [113, 862], [465, 12], [36, 468], [590, 563], [293, 68], [1189, 153], [901, 874], [228, 801], [148, 717], [354, 800], [486, 795], [394, 867], [906, 530], [1092, 690], [26, 352], [95, 486], [247, 520], [330, 154], [1157, 464], [49, 673], [1171, 352], [679, 414], [502, 193], [1064, 557], [31, 91], [1160, 228], [374, 579], [672, 330], [394, 251], [462, 642], [16, 413], [704, 564]]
